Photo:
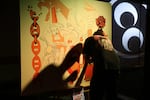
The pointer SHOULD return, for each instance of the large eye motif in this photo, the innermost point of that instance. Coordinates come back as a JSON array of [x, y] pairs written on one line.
[[128, 28], [122, 8], [129, 33]]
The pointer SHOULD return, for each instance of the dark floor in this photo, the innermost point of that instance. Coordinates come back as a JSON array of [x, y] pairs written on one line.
[[132, 83], [130, 87]]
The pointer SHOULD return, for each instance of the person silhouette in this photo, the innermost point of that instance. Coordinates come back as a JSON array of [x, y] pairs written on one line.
[[99, 49]]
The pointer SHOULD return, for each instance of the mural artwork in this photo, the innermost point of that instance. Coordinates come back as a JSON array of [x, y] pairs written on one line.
[[52, 34]]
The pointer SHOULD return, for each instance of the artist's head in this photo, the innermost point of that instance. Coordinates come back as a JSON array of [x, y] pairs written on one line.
[[100, 22], [98, 34]]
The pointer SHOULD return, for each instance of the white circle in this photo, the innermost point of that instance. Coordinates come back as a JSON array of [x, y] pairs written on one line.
[[131, 32], [122, 8]]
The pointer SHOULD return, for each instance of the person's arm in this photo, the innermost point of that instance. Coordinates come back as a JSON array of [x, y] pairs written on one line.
[[104, 35]]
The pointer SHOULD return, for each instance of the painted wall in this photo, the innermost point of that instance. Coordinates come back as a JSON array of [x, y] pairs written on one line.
[[49, 29]]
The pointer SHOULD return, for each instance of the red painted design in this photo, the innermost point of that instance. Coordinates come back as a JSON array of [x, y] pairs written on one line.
[[35, 46]]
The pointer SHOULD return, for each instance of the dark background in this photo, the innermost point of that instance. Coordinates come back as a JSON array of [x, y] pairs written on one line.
[[10, 69], [131, 79]]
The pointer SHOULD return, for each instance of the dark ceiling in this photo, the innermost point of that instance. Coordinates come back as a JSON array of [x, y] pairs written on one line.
[[137, 1]]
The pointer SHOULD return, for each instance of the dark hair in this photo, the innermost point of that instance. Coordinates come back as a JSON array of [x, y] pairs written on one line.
[[99, 32]]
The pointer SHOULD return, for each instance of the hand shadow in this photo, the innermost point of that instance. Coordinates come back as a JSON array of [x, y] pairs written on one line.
[[50, 78]]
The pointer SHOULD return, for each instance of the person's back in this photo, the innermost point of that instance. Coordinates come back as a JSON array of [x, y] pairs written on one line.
[[99, 49], [105, 71], [93, 51]]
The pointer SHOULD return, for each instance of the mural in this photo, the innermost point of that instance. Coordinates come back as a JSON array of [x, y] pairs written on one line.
[[52, 33]]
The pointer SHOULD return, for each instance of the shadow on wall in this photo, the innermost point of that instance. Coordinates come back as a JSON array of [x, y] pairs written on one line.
[[50, 79]]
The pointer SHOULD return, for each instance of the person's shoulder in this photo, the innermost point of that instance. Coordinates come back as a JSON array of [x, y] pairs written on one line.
[[90, 38]]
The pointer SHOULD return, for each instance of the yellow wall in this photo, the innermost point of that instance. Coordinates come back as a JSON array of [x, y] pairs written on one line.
[[75, 22]]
